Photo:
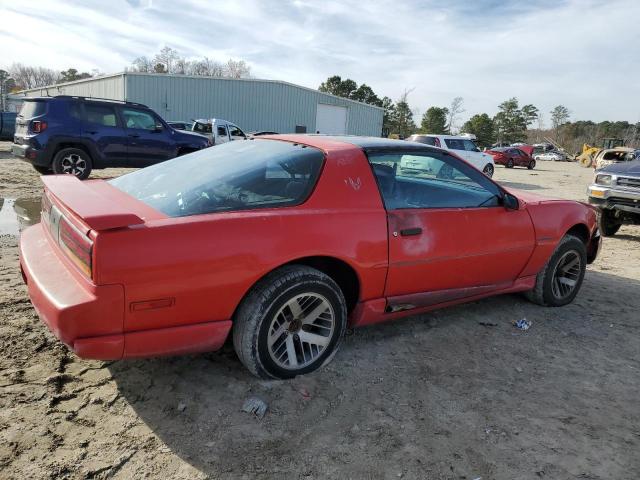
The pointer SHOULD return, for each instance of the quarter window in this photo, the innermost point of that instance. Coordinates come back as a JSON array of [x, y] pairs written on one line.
[[431, 180], [222, 131], [100, 115]]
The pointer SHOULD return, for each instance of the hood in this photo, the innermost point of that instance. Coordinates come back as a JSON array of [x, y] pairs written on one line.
[[631, 168]]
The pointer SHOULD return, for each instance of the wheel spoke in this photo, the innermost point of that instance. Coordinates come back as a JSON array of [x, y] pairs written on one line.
[[292, 358], [570, 264], [313, 338], [315, 313]]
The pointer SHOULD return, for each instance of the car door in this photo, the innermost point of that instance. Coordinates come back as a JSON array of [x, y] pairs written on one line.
[[102, 127], [449, 235], [473, 154], [222, 134], [149, 140]]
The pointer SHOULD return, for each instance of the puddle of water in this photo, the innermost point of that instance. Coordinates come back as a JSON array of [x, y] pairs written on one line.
[[16, 214]]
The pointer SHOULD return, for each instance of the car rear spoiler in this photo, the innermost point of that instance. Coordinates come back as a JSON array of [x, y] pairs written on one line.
[[98, 212]]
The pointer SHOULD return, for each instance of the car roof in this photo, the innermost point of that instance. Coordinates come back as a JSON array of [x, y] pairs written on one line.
[[335, 142], [447, 137]]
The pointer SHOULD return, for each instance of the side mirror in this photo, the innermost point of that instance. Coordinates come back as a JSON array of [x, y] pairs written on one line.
[[510, 202]]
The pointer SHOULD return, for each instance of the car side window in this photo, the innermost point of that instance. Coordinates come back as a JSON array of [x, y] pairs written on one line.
[[431, 180], [138, 119], [100, 115], [236, 132], [454, 144], [470, 146], [222, 131]]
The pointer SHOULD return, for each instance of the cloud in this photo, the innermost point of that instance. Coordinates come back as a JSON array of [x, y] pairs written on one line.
[[577, 53]]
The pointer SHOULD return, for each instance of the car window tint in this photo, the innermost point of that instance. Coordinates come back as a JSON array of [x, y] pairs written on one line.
[[470, 146], [75, 110], [424, 139], [222, 131], [32, 108], [454, 143], [100, 115], [138, 119], [230, 177], [431, 180]]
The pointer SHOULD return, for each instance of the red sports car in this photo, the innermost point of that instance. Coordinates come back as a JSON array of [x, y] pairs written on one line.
[[513, 156], [282, 242]]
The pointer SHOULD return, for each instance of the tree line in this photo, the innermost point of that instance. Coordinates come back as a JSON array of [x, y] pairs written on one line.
[[511, 124]]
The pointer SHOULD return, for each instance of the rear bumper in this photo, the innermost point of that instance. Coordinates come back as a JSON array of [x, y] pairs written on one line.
[[89, 319], [30, 154]]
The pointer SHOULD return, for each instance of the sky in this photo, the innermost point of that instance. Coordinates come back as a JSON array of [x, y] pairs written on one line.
[[579, 53]]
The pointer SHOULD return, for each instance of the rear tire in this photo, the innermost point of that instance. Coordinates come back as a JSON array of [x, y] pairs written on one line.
[[560, 279], [290, 323], [608, 224], [42, 170], [510, 163], [532, 165], [72, 161]]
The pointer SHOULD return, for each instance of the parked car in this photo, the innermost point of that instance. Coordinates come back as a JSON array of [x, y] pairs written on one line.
[[74, 135], [609, 156], [179, 125], [616, 193], [282, 243], [553, 155], [463, 145], [513, 157], [7, 124], [218, 130]]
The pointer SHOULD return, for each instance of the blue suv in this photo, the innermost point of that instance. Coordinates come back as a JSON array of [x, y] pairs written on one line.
[[74, 135]]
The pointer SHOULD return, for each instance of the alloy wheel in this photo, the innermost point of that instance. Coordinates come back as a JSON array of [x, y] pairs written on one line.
[[566, 275], [300, 331], [73, 164], [488, 170]]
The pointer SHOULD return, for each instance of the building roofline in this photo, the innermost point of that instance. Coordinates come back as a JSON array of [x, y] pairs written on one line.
[[165, 75]]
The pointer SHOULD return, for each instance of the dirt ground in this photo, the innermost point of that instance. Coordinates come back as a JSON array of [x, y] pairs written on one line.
[[439, 396]]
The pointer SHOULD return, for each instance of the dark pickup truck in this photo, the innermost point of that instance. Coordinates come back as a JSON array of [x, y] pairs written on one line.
[[7, 125]]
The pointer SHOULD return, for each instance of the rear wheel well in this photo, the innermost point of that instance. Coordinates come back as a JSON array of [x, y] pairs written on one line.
[[581, 231], [63, 145], [341, 272]]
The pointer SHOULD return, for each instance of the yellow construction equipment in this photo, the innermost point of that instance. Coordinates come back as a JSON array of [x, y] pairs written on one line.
[[589, 152]]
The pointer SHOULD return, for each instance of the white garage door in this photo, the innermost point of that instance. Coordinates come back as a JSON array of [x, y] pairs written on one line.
[[331, 119]]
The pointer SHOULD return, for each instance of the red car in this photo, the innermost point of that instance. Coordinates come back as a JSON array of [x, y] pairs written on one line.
[[513, 156], [284, 241]]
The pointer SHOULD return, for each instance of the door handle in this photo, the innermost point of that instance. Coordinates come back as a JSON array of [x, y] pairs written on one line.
[[92, 132], [407, 232]]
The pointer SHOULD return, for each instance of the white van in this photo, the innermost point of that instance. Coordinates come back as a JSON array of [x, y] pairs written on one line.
[[218, 130], [462, 145]]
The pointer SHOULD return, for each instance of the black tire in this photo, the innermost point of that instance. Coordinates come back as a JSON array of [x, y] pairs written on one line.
[[488, 170], [73, 161], [510, 163], [532, 165], [545, 292], [608, 224], [267, 302], [42, 170]]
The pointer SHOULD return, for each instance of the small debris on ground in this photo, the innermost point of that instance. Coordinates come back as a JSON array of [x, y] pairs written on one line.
[[522, 324], [304, 392], [182, 407], [488, 324], [256, 406]]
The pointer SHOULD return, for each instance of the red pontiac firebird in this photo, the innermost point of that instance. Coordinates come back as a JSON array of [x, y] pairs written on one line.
[[283, 241], [513, 156]]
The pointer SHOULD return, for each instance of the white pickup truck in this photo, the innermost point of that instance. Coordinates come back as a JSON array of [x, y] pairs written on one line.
[[218, 130]]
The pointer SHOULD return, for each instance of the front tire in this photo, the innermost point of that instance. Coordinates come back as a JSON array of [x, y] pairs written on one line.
[[510, 163], [488, 170], [72, 161], [532, 165], [608, 224], [291, 323], [559, 281]]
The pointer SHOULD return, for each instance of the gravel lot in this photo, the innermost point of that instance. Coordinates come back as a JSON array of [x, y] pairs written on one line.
[[438, 396]]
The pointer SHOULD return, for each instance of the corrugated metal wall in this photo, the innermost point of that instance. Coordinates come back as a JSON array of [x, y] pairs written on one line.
[[251, 104], [103, 87]]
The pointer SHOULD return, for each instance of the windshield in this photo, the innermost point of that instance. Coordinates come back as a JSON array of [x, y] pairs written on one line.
[[229, 177]]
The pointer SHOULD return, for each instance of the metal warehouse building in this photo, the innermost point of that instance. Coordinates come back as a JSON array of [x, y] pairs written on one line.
[[250, 103]]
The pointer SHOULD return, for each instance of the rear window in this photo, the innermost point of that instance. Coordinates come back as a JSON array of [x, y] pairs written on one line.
[[31, 109], [230, 177]]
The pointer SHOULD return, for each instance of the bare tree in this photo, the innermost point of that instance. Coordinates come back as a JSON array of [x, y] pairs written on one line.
[[167, 57], [237, 69], [142, 65], [27, 77], [454, 112]]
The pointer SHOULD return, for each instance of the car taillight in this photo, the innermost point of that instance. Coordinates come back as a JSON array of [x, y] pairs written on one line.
[[76, 245], [38, 126]]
